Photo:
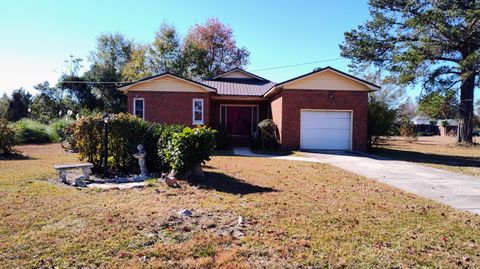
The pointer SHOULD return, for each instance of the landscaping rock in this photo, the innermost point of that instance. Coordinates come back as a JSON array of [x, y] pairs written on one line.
[[240, 221], [170, 179], [237, 234], [79, 182], [185, 213]]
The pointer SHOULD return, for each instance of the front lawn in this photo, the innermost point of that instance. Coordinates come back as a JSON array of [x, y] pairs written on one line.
[[436, 151], [294, 214]]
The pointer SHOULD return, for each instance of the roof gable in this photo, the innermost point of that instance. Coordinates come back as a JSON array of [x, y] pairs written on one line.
[[167, 83], [329, 79], [238, 73]]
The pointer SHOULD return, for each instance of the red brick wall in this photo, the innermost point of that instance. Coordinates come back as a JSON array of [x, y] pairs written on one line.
[[171, 107], [294, 100], [276, 109]]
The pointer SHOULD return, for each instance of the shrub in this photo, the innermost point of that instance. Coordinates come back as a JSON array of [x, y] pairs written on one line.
[[268, 134], [221, 136], [125, 132], [381, 120], [29, 131], [7, 137], [188, 149], [59, 129], [69, 141], [408, 129]]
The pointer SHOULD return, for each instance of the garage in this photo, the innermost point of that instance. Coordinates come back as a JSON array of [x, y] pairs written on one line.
[[327, 130]]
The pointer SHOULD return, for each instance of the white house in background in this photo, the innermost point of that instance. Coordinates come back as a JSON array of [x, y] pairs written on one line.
[[424, 124], [451, 128]]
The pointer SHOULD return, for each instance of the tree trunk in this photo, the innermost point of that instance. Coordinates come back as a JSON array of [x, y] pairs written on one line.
[[465, 127]]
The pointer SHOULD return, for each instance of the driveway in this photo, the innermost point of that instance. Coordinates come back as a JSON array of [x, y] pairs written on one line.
[[454, 189]]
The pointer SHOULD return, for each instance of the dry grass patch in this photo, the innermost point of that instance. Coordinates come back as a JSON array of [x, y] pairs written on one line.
[[296, 214], [439, 152]]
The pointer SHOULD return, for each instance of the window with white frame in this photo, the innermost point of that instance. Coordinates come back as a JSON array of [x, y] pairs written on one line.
[[139, 107], [197, 110]]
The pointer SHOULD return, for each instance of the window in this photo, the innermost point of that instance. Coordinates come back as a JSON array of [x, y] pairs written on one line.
[[197, 111], [138, 108]]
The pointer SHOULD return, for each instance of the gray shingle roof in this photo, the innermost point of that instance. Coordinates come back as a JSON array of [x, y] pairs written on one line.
[[242, 87]]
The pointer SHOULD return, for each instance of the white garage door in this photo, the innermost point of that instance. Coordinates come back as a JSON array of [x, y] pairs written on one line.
[[325, 130]]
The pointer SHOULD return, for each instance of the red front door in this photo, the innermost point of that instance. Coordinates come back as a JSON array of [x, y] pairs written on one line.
[[239, 120]]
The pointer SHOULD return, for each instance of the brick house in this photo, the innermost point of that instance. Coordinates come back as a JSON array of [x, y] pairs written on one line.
[[324, 109]]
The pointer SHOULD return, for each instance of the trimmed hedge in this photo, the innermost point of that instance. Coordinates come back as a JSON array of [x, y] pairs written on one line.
[[168, 147], [125, 132]]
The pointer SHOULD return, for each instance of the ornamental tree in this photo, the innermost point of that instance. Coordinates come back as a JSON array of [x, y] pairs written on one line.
[[211, 48], [432, 43]]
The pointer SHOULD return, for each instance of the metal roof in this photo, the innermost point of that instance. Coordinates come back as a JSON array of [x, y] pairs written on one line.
[[240, 87]]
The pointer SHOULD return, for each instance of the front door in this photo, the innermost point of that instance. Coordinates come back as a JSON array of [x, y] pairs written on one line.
[[239, 120]]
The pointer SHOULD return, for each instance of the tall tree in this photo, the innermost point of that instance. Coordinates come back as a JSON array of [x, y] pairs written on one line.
[[72, 66], [165, 52], [211, 48], [439, 105], [407, 110], [113, 51], [434, 42], [76, 86], [19, 104], [137, 67], [49, 101], [4, 102]]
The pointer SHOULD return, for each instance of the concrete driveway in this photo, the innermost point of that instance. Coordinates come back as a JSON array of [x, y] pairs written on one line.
[[457, 190]]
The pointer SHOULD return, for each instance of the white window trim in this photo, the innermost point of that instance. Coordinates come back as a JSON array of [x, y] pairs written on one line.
[[135, 107], [198, 122]]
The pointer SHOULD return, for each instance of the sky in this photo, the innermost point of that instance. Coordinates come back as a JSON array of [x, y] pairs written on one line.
[[38, 36]]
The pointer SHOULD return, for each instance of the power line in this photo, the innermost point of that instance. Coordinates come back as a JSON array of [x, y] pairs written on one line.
[[299, 64], [256, 70]]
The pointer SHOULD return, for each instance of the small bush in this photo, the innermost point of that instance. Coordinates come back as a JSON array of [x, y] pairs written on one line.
[[381, 120], [7, 137], [408, 129], [59, 128], [268, 134], [452, 133], [189, 148], [69, 141], [28, 131], [221, 137]]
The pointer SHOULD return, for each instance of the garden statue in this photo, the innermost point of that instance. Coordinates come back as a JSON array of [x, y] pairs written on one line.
[[140, 156]]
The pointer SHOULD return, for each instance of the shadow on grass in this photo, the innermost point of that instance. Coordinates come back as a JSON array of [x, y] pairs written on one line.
[[223, 152], [413, 156], [274, 152], [224, 183], [15, 157]]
